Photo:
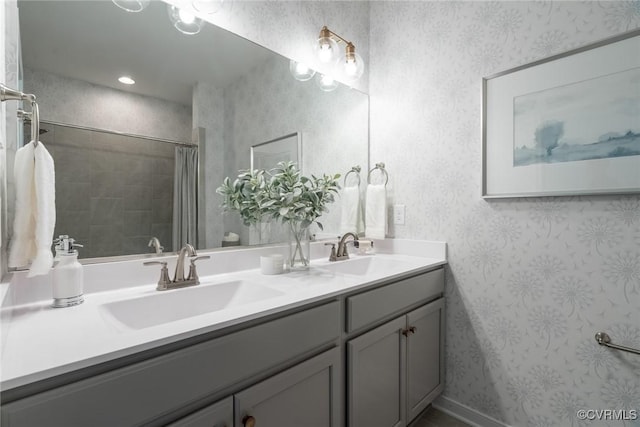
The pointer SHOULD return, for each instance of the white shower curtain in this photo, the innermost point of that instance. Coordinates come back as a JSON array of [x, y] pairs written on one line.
[[185, 203]]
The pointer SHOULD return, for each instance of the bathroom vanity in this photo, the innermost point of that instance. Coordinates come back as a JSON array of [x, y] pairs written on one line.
[[357, 343]]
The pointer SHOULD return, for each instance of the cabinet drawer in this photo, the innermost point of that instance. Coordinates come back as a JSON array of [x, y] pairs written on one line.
[[368, 307], [141, 392]]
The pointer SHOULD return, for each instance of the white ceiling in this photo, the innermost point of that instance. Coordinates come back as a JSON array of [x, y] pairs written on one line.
[[97, 42]]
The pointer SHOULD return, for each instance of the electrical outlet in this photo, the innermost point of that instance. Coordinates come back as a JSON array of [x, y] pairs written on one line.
[[398, 214]]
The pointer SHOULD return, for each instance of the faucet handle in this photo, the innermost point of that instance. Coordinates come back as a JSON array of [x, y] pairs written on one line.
[[332, 257], [164, 281], [193, 274]]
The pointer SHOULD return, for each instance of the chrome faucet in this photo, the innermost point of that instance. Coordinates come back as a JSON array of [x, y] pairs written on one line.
[[341, 251], [155, 243], [179, 280], [189, 250]]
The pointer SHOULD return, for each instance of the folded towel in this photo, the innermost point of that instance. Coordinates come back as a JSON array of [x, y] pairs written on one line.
[[376, 211], [351, 214], [35, 215]]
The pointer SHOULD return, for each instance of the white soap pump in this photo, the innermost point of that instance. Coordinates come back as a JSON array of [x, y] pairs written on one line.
[[68, 278]]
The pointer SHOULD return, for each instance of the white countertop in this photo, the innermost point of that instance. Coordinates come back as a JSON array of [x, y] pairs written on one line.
[[39, 342]]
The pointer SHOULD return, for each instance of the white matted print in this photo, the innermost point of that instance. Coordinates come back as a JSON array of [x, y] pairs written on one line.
[[569, 124]]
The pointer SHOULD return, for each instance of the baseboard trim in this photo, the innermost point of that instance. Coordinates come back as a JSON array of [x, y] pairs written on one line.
[[465, 413]]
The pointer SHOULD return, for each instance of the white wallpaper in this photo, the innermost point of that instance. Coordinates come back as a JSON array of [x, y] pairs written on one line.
[[8, 125], [530, 281], [208, 113]]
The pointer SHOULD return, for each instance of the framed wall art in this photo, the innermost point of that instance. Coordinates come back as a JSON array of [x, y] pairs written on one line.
[[565, 125]]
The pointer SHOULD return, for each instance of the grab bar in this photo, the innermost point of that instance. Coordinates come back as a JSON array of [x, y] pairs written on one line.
[[604, 339]]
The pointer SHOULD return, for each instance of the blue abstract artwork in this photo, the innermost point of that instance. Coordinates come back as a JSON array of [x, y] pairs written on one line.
[[592, 119]]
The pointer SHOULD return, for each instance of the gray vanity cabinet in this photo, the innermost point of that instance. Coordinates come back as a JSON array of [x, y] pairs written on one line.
[[219, 414], [396, 369], [309, 395], [425, 357], [376, 379]]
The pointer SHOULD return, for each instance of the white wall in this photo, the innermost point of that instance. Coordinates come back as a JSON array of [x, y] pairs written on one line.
[[208, 113], [530, 281], [8, 125]]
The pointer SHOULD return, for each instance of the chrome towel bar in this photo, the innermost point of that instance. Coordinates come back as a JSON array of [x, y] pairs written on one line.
[[604, 339], [8, 94]]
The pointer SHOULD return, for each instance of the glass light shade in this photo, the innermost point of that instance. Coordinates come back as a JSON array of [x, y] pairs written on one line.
[[301, 71], [351, 66], [132, 5], [184, 21], [209, 6], [326, 49], [326, 83]]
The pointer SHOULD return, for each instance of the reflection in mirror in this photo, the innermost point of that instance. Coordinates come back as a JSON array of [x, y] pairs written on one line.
[[267, 155], [117, 147]]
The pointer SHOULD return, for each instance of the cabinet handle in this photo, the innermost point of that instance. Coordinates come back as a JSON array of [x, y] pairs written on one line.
[[405, 332], [248, 421], [412, 329]]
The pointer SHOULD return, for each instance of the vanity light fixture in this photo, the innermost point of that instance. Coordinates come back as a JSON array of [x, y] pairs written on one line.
[[350, 64], [184, 21], [132, 5], [126, 80], [301, 71], [209, 6], [326, 82]]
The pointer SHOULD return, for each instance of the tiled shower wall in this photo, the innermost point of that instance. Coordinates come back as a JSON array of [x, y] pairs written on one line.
[[113, 192]]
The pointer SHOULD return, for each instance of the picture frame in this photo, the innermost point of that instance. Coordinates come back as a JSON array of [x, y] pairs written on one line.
[[565, 125], [266, 155]]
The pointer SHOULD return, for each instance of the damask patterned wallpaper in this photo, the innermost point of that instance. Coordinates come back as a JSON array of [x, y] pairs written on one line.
[[530, 281]]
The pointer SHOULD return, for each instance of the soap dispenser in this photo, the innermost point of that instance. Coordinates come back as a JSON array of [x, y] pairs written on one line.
[[68, 278]]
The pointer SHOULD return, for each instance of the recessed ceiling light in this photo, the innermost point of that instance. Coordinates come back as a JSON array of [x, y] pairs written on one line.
[[126, 80]]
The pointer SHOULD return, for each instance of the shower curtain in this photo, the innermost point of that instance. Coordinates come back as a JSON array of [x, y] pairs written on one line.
[[185, 203]]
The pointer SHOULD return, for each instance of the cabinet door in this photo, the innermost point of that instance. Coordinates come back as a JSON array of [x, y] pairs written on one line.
[[309, 395], [425, 356], [376, 377], [219, 414]]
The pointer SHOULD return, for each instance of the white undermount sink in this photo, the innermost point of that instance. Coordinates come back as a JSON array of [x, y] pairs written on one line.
[[364, 266], [177, 304]]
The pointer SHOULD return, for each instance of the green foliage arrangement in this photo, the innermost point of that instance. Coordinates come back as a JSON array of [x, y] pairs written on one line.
[[248, 194], [282, 193]]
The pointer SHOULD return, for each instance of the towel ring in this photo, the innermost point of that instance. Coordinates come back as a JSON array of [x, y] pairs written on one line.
[[356, 169], [379, 166]]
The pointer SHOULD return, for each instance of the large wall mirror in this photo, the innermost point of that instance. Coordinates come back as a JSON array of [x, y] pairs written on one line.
[[124, 153]]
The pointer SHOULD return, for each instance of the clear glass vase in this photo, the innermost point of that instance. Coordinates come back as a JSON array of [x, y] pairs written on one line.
[[260, 233], [299, 246]]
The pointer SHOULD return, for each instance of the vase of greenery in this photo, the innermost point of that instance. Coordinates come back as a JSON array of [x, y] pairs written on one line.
[[248, 195], [298, 201], [283, 194]]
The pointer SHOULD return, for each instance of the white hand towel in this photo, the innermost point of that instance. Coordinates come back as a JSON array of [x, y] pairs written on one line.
[[376, 211], [23, 240], [351, 212], [45, 186], [35, 215]]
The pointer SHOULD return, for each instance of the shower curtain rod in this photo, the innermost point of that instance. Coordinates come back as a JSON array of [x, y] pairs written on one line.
[[113, 132]]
